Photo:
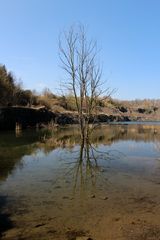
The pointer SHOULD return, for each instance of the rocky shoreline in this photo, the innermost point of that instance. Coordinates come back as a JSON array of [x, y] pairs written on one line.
[[25, 117], [11, 117]]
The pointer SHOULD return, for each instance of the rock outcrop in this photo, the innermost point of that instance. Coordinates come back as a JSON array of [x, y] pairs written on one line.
[[24, 117], [10, 117]]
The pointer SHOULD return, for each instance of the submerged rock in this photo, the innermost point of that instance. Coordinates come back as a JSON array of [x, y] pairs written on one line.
[[93, 196], [104, 198]]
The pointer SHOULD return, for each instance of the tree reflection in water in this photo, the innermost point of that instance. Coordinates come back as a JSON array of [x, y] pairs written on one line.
[[88, 167]]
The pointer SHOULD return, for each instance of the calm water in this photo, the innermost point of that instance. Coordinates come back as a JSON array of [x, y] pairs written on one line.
[[47, 192]]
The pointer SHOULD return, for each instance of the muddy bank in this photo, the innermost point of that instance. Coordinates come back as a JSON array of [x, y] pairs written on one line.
[[23, 117]]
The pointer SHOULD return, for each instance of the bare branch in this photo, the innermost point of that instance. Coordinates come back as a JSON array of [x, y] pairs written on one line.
[[79, 60]]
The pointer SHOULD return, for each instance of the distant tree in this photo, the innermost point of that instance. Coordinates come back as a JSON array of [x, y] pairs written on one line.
[[26, 98], [7, 86], [12, 93]]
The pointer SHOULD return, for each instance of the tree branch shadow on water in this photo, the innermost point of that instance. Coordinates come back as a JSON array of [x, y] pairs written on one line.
[[5, 221], [87, 167]]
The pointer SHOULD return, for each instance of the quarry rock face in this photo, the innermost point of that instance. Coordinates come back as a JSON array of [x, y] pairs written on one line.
[[25, 117]]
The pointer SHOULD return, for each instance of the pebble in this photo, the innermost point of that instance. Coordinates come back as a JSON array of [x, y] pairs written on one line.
[[93, 196], [104, 198]]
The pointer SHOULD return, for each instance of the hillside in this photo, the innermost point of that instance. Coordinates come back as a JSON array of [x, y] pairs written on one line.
[[136, 110], [12, 94]]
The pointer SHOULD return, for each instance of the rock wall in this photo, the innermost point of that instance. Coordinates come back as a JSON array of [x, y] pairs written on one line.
[[24, 117]]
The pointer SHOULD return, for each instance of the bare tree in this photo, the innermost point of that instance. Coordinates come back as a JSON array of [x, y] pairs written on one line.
[[78, 56]]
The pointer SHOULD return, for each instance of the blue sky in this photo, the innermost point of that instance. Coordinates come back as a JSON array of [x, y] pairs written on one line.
[[127, 32]]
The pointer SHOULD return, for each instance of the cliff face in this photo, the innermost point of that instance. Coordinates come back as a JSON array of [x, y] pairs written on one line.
[[31, 117], [25, 117]]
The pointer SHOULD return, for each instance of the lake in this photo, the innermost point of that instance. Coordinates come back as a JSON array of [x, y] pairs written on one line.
[[48, 192]]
